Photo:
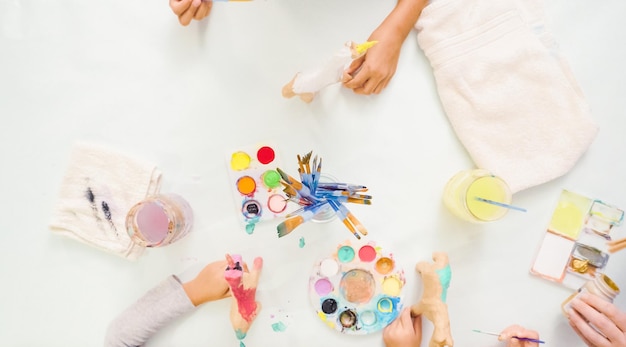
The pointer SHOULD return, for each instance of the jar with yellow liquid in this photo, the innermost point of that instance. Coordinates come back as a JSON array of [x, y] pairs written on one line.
[[601, 286], [477, 196]]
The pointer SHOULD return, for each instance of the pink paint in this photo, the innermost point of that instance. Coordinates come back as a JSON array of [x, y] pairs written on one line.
[[323, 287], [246, 302], [153, 222], [367, 253]]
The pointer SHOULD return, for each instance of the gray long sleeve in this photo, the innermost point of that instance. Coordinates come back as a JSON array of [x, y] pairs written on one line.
[[160, 305]]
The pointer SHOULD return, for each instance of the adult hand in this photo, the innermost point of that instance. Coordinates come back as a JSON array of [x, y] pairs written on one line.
[[209, 284], [404, 331], [598, 322], [187, 10], [512, 332], [371, 73]]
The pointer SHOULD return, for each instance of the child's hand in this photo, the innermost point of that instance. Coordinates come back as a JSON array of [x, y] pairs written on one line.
[[371, 73], [209, 285], [518, 331], [187, 10], [608, 320], [404, 331]]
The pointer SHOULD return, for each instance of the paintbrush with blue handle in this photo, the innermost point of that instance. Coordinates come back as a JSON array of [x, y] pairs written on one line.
[[307, 213]]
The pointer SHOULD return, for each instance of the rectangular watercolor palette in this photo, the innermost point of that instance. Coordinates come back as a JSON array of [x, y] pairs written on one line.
[[255, 184], [574, 248]]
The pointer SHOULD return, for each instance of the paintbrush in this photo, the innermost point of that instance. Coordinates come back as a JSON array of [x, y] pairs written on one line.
[[302, 190], [317, 171], [514, 337], [305, 208], [342, 186], [348, 219], [501, 204], [337, 193], [290, 224], [616, 245]]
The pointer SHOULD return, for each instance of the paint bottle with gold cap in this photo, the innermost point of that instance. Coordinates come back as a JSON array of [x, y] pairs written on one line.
[[601, 286]]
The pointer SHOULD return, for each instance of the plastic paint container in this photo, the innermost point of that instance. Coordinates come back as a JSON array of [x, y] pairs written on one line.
[[159, 220]]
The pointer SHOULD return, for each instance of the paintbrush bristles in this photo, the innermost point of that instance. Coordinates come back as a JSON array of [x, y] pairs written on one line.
[[289, 225]]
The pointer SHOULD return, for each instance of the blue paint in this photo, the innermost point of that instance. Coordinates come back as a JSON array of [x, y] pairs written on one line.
[[445, 275], [301, 245], [240, 334], [279, 327], [249, 228]]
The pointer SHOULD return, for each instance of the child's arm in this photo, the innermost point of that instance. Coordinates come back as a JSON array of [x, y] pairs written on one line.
[[164, 303], [372, 72]]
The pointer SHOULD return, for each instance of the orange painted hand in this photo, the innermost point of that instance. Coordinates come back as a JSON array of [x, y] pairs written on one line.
[[187, 10], [404, 331]]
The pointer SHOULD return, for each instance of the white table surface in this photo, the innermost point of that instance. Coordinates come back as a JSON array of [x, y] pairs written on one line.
[[125, 74]]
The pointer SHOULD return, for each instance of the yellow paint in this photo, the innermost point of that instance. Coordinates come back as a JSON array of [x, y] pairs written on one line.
[[392, 286], [239, 161], [363, 47], [322, 316], [567, 220]]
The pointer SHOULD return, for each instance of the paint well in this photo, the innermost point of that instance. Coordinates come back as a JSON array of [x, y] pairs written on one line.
[[392, 286], [357, 286], [384, 265], [345, 254], [329, 267], [385, 305], [347, 318], [329, 306], [368, 318], [271, 179], [323, 287], [246, 185], [367, 253], [240, 161], [251, 209], [153, 222], [265, 155], [276, 203]]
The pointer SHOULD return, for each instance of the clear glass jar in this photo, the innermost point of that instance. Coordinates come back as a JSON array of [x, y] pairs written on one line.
[[463, 190], [159, 220], [601, 286]]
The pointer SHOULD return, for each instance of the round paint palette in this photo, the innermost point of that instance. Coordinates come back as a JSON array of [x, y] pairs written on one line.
[[357, 290]]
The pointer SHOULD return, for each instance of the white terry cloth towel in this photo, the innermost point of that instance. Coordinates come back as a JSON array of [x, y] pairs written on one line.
[[508, 94], [97, 191]]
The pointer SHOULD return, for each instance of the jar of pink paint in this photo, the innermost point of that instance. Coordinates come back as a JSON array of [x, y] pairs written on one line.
[[159, 220]]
